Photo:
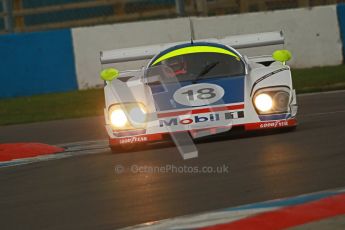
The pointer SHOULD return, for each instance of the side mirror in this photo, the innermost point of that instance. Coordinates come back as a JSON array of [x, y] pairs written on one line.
[[282, 55], [109, 74]]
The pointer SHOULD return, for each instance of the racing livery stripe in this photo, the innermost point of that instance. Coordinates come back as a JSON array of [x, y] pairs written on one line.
[[202, 110], [233, 93], [194, 49], [275, 117], [266, 76], [180, 46]]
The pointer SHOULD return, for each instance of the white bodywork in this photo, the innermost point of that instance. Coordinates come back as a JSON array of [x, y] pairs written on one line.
[[141, 92]]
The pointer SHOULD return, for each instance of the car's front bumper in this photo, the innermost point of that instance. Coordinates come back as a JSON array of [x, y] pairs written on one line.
[[158, 137]]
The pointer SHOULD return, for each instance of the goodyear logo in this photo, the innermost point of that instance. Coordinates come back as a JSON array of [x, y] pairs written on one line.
[[133, 140]]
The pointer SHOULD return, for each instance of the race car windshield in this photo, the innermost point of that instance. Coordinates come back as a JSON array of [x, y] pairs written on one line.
[[196, 66]]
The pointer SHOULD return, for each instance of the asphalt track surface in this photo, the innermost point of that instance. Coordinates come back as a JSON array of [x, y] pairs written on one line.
[[84, 192]]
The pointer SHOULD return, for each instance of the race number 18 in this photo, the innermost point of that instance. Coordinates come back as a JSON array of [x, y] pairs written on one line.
[[198, 94], [203, 94]]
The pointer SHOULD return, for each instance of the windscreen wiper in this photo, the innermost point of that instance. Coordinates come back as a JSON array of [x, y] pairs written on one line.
[[205, 70]]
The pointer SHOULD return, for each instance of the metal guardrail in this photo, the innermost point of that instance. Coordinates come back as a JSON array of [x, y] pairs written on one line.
[[15, 16]]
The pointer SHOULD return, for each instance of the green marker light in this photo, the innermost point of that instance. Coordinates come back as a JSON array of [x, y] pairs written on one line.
[[109, 74], [282, 55]]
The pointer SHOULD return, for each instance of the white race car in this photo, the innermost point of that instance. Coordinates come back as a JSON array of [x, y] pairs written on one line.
[[197, 86]]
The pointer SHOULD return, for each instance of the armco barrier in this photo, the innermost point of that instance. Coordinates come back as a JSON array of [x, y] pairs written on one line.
[[36, 63]]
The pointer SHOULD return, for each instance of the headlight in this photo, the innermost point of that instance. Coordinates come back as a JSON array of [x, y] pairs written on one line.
[[128, 116], [263, 102], [137, 113], [118, 118], [281, 100], [272, 100]]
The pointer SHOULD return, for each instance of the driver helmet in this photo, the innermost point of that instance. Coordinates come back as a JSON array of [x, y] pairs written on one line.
[[177, 64]]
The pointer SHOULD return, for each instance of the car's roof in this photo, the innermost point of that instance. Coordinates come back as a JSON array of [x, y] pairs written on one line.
[[195, 47]]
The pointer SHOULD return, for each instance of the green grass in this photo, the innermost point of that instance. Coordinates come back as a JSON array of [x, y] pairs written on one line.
[[90, 102], [319, 79], [52, 107]]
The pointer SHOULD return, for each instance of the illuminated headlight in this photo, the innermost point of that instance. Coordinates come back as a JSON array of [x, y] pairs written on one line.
[[128, 116], [272, 100], [118, 118], [263, 102]]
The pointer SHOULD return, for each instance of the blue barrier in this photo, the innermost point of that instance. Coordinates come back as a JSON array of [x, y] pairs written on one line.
[[341, 19], [63, 16], [1, 19], [36, 63]]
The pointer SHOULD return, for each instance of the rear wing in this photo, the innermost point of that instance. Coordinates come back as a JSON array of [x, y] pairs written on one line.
[[148, 52]]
